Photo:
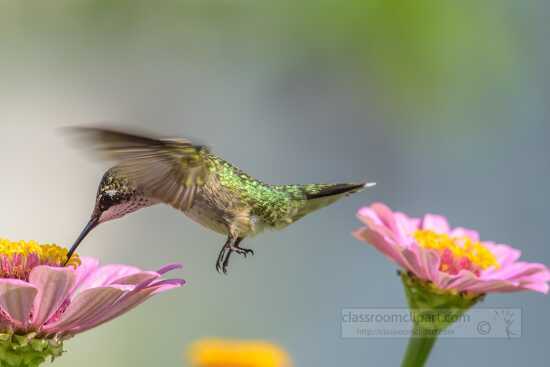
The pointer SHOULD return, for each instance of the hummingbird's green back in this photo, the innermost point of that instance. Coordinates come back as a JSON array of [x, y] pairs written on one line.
[[276, 205], [268, 202]]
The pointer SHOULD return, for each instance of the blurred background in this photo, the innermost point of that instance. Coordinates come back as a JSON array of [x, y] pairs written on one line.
[[442, 103]]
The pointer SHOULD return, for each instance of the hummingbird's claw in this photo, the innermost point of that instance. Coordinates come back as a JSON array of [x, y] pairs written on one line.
[[225, 264], [243, 251], [221, 257], [223, 260], [232, 245], [221, 267]]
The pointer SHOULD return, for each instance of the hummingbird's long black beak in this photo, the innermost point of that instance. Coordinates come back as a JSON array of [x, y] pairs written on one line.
[[94, 221]]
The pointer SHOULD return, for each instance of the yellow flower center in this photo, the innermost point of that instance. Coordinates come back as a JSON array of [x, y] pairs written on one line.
[[457, 253], [219, 353], [17, 259]]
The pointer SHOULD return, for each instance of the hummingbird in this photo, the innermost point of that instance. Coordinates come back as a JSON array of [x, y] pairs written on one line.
[[203, 186]]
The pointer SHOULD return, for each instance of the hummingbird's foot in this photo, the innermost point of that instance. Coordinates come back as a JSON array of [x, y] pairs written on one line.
[[222, 262], [243, 251], [231, 245], [225, 264]]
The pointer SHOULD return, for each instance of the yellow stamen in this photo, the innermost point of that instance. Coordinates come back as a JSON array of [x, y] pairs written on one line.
[[460, 247], [17, 259]]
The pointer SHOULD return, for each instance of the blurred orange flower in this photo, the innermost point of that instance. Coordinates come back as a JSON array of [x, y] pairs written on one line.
[[234, 353]]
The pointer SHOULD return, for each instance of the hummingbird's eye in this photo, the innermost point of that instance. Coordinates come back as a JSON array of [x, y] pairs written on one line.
[[106, 202]]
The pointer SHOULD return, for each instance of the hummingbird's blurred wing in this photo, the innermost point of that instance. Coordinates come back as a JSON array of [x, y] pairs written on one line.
[[167, 170]]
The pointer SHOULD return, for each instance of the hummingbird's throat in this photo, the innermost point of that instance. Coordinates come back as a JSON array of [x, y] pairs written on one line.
[[17, 259]]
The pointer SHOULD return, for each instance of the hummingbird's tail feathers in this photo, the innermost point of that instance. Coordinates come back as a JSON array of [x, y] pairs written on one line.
[[318, 196], [313, 192]]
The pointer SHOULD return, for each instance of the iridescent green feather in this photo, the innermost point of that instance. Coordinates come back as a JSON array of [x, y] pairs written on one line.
[[277, 205], [265, 201]]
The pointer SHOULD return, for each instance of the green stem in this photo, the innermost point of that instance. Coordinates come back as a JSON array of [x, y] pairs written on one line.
[[419, 348], [433, 310]]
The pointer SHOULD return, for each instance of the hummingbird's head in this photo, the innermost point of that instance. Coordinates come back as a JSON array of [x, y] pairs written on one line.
[[115, 198]]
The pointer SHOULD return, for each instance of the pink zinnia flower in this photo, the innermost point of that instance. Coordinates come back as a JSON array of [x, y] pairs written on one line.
[[453, 259], [43, 303]]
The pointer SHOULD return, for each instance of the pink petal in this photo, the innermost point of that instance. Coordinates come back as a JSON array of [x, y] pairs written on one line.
[[411, 224], [382, 244], [137, 278], [397, 223], [517, 270], [535, 277], [107, 274], [146, 279], [430, 262], [88, 305], [436, 223], [16, 300], [505, 286], [375, 224], [128, 301], [87, 266], [94, 306], [541, 276], [367, 216], [406, 227], [444, 280], [422, 262], [167, 268], [54, 286], [168, 284], [463, 281], [517, 277], [385, 214], [537, 287], [414, 263], [380, 215], [505, 254], [491, 286]]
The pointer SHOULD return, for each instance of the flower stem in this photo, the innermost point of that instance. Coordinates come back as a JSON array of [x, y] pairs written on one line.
[[419, 348], [433, 310]]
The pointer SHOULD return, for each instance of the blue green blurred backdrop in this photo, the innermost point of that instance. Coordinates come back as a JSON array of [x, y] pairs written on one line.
[[443, 103]]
